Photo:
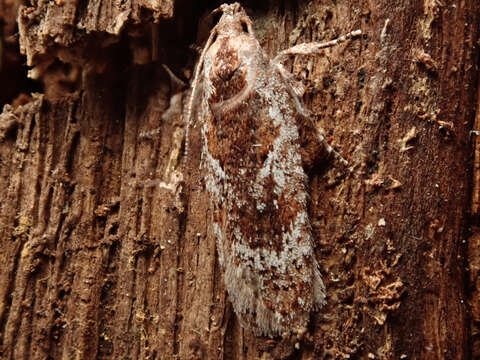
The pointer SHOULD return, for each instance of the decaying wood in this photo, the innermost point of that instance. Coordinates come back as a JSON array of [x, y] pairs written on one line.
[[62, 27], [107, 247]]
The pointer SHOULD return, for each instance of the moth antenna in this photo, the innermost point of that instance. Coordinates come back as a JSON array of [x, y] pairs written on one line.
[[198, 68]]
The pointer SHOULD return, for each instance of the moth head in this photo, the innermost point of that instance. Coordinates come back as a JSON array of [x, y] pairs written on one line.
[[231, 38], [234, 21], [233, 24]]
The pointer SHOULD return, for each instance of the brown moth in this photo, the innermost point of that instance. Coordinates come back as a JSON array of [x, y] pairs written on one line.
[[250, 114]]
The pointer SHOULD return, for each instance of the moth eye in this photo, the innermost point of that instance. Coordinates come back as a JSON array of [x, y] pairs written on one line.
[[244, 27]]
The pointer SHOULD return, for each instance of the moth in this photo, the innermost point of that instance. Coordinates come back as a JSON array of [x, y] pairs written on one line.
[[252, 118]]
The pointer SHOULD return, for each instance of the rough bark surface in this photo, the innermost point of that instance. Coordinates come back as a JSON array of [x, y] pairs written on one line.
[[107, 247]]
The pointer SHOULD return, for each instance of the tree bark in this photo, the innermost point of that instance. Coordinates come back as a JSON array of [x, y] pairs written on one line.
[[105, 226]]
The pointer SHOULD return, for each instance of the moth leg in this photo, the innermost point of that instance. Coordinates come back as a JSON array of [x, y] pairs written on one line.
[[313, 145], [314, 148], [176, 83], [312, 140], [313, 48], [173, 114]]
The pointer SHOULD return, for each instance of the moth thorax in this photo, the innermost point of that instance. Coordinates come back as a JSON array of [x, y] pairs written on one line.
[[226, 60], [227, 76]]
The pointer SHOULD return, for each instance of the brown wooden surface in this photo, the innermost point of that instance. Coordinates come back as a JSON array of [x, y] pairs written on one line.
[[107, 248]]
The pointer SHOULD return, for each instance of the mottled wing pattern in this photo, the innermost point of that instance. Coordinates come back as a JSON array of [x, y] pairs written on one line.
[[258, 186]]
